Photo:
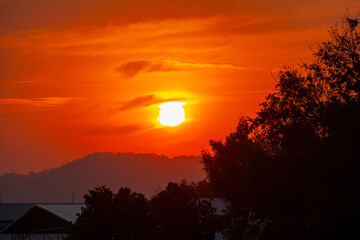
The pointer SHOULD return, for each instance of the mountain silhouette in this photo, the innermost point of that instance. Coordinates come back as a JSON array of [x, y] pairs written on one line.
[[144, 173]]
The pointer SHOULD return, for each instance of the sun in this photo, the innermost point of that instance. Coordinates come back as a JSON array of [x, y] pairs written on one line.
[[171, 114]]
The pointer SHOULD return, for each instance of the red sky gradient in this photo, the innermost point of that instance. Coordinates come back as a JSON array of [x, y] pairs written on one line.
[[86, 76]]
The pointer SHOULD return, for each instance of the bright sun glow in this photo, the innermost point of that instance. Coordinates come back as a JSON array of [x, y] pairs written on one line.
[[171, 113]]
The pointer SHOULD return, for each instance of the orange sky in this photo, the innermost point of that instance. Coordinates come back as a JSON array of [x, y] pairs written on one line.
[[83, 76]]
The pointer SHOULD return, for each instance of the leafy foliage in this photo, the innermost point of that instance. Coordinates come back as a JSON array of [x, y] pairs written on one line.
[[174, 213], [124, 215], [180, 214], [292, 171]]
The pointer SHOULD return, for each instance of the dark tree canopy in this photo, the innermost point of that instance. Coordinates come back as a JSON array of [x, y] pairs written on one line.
[[292, 172], [124, 215], [174, 213], [180, 214]]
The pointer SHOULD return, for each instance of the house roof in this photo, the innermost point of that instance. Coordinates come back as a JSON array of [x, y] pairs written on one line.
[[45, 218], [65, 211], [9, 212]]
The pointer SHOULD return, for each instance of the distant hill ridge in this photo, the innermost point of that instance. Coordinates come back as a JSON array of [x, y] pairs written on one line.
[[142, 172]]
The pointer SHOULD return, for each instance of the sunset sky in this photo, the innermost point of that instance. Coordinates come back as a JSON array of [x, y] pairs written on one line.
[[84, 76]]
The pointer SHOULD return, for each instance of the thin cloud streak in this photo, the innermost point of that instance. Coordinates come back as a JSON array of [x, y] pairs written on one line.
[[40, 102], [163, 34], [20, 104], [111, 39], [132, 68], [145, 101]]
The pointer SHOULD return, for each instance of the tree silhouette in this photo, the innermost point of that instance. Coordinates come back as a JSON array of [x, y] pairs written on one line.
[[97, 218], [174, 213], [124, 215], [180, 214], [292, 171]]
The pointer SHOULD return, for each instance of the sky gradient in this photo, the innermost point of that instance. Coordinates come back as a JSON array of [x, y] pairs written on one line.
[[78, 77]]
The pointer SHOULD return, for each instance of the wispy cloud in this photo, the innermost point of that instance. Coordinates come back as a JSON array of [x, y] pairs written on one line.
[[144, 101], [19, 104], [49, 101], [187, 65], [170, 36], [25, 81], [109, 40], [132, 68]]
